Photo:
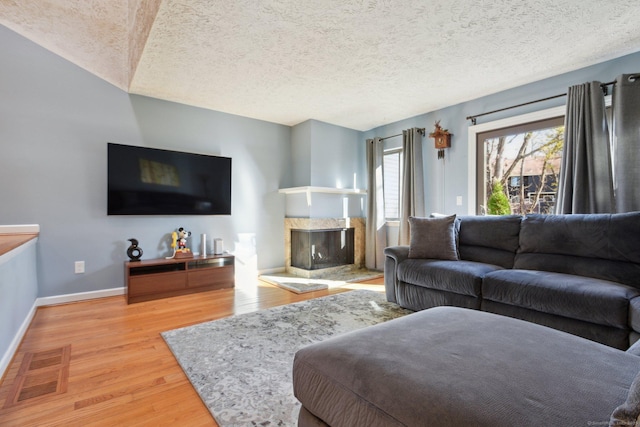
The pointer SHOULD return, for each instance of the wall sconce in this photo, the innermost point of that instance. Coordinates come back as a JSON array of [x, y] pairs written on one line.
[[442, 139]]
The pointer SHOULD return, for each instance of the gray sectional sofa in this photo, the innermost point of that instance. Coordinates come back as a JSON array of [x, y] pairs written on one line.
[[452, 367], [575, 273], [468, 365]]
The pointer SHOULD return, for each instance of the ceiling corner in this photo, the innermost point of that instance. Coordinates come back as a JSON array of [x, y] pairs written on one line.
[[141, 16]]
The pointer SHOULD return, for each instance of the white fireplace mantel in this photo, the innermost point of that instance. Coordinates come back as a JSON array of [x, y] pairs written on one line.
[[326, 190]]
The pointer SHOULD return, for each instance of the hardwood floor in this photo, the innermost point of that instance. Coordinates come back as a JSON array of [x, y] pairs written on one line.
[[120, 371]]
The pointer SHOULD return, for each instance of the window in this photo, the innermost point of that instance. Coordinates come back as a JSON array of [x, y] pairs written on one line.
[[526, 191], [519, 166], [392, 164]]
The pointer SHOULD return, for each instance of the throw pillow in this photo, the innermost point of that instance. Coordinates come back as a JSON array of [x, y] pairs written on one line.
[[628, 414], [433, 238]]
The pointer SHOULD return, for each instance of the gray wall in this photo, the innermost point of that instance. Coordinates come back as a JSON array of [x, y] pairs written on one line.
[[55, 122], [444, 180]]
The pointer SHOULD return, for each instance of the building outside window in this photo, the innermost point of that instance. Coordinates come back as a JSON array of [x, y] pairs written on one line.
[[522, 162]]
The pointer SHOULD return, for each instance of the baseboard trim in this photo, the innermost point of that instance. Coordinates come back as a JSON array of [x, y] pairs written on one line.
[[80, 296], [17, 339], [271, 271]]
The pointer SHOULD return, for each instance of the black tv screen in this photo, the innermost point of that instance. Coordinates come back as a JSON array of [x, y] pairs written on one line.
[[150, 181]]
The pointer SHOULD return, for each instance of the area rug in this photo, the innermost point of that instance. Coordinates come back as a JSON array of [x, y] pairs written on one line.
[[241, 366]]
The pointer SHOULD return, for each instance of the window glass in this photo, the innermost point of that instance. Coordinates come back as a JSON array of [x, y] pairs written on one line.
[[519, 167], [392, 172]]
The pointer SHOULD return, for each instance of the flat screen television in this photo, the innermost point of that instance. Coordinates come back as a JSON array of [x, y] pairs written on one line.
[[150, 181]]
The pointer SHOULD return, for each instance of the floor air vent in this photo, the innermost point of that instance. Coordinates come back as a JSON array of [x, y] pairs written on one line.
[[41, 374]]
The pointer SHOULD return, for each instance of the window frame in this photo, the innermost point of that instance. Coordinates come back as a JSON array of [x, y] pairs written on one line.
[[474, 130], [481, 137]]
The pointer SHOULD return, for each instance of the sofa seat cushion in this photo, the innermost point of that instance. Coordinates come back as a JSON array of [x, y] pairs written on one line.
[[449, 366], [460, 277], [576, 297]]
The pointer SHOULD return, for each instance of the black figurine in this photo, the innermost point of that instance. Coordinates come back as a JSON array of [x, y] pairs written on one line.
[[134, 252]]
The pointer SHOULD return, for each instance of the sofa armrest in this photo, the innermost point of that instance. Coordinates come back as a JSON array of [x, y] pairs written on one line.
[[394, 255]]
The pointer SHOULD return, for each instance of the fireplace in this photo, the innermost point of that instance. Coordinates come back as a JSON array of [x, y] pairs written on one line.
[[325, 248], [321, 224]]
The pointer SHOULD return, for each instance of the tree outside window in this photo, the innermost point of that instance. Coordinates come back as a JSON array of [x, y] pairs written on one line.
[[523, 164]]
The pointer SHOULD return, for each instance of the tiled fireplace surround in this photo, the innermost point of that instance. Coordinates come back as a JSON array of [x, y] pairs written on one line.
[[324, 224]]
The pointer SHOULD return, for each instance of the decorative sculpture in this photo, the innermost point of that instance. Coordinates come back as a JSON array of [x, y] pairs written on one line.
[[179, 244], [134, 252]]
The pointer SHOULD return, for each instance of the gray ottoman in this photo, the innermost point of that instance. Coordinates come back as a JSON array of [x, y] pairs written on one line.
[[449, 366]]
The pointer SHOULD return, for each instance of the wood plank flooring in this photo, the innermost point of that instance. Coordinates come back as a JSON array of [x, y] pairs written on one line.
[[121, 372]]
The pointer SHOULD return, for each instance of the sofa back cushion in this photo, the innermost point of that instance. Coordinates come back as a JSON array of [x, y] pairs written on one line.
[[603, 246], [489, 239]]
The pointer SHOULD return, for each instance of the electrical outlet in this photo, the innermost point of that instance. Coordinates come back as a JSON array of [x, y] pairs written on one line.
[[459, 201], [79, 267]]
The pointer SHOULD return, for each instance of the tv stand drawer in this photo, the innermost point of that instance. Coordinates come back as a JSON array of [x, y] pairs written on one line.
[[162, 278]]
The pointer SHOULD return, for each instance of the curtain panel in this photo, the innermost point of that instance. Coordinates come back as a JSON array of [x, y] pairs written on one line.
[[412, 200], [626, 137], [586, 178], [376, 232]]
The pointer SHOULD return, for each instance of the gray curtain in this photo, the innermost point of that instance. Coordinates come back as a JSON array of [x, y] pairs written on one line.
[[376, 232], [626, 137], [412, 200], [586, 179]]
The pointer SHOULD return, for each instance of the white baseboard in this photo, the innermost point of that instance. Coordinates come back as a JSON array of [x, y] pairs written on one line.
[[17, 339], [40, 302], [80, 296], [271, 271]]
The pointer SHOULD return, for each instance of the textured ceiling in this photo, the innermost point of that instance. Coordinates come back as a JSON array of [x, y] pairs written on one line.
[[357, 63]]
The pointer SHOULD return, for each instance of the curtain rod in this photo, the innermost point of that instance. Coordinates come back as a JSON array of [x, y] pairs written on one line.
[[473, 118], [421, 130]]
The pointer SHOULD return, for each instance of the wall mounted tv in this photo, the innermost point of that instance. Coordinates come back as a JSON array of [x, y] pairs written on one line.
[[150, 181]]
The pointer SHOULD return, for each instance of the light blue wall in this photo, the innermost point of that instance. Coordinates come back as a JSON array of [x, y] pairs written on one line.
[[55, 122], [301, 154], [446, 180], [337, 156], [325, 155]]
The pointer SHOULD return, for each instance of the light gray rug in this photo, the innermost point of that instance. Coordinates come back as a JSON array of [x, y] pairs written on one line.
[[241, 366]]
